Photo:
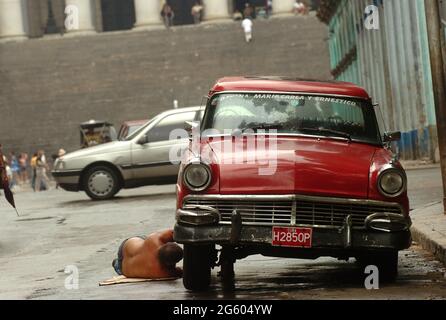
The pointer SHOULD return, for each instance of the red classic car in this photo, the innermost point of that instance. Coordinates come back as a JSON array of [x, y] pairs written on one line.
[[290, 168]]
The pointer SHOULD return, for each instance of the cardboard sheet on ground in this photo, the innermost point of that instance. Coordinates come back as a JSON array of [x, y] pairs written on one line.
[[124, 279]]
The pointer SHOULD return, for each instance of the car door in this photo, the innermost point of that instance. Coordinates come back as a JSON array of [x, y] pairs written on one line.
[[151, 160]]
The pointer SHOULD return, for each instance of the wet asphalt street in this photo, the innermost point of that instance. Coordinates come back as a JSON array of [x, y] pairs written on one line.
[[57, 229]]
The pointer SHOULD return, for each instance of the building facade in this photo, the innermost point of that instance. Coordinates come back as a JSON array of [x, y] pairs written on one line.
[[385, 49], [23, 19]]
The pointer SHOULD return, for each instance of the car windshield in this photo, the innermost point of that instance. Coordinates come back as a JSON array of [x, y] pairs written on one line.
[[293, 114], [131, 136]]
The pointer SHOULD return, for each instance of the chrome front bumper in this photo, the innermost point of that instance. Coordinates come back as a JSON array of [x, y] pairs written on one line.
[[295, 210], [244, 220], [67, 180], [323, 239]]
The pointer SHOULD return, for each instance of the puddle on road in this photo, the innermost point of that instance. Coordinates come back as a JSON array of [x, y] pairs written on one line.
[[420, 277]]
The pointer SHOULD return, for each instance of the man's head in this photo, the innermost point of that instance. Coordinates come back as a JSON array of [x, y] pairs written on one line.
[[61, 153], [170, 253]]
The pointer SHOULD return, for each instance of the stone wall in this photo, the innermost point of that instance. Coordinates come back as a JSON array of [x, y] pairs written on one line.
[[50, 85]]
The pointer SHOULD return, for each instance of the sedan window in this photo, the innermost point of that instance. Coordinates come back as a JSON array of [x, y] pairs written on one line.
[[139, 130], [163, 129]]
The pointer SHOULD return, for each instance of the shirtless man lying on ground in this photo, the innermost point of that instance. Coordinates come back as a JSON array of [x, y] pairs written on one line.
[[151, 257]]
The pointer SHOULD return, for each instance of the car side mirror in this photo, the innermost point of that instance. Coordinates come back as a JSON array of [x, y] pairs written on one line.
[[392, 136], [190, 126], [143, 140]]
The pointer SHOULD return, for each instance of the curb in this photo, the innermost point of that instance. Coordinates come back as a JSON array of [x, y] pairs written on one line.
[[421, 167], [430, 245], [429, 229], [411, 166]]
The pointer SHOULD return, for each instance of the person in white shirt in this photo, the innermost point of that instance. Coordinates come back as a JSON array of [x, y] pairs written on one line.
[[300, 8], [247, 27], [196, 12], [41, 169]]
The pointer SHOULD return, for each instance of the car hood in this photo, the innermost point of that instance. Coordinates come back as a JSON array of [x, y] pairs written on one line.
[[115, 146], [301, 165]]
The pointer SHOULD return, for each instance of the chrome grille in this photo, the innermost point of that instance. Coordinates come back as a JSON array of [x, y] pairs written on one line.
[[334, 214], [259, 212], [294, 210]]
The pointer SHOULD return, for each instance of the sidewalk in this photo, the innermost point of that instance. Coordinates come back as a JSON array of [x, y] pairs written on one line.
[[418, 164], [429, 229]]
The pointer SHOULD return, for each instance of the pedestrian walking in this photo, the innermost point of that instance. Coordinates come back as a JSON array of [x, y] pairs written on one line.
[[196, 12], [167, 14], [23, 164], [15, 168], [300, 8], [33, 165], [4, 180], [247, 27], [248, 12], [8, 171], [41, 170], [268, 8]]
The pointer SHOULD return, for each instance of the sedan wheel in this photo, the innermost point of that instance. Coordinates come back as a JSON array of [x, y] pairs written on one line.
[[101, 183]]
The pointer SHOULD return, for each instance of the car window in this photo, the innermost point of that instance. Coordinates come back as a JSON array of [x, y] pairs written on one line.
[[141, 129], [163, 129], [293, 114], [122, 132], [381, 123], [133, 128]]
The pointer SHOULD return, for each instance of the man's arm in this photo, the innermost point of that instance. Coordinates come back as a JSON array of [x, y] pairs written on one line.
[[166, 236]]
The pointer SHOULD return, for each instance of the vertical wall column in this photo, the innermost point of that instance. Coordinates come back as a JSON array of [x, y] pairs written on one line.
[[12, 19], [147, 13], [283, 6], [216, 9], [86, 15]]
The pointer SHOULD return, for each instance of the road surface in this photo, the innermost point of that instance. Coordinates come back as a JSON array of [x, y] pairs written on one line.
[[58, 229]]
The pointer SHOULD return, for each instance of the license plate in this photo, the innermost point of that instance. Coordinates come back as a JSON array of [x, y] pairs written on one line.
[[292, 237]]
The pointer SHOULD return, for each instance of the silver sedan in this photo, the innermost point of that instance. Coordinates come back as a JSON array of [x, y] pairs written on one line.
[[143, 158]]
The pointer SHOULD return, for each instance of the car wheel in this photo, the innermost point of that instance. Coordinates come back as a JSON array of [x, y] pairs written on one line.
[[386, 262], [197, 263], [101, 183]]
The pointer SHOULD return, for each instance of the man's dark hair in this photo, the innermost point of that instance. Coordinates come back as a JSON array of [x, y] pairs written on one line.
[[170, 253]]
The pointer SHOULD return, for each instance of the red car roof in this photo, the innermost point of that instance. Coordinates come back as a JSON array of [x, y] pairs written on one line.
[[283, 84]]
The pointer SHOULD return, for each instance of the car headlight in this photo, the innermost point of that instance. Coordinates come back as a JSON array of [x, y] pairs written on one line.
[[392, 182], [197, 176], [59, 165]]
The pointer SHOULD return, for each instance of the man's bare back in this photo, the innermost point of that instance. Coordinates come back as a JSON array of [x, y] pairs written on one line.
[[150, 257]]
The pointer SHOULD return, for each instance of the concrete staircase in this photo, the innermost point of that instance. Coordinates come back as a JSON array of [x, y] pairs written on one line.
[[48, 86]]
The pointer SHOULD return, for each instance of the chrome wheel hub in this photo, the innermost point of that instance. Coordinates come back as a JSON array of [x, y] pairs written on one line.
[[100, 183]]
